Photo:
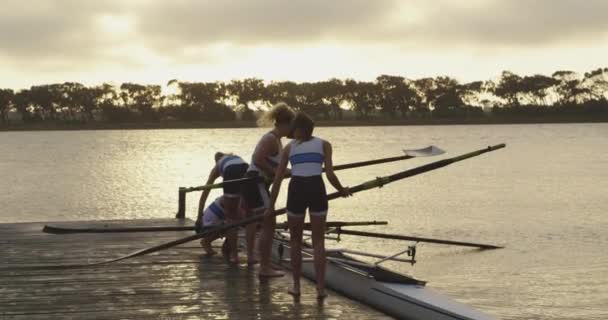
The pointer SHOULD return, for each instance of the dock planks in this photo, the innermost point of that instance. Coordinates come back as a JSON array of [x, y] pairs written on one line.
[[179, 283]]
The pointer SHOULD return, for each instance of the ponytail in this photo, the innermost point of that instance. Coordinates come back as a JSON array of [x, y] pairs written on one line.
[[280, 113]]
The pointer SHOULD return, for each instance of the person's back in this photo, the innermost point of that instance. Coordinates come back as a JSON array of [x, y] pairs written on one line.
[[306, 157]]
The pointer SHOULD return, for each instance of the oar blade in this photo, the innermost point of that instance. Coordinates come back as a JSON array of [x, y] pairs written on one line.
[[424, 152]]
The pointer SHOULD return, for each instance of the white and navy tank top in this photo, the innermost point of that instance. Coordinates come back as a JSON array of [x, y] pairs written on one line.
[[273, 161], [306, 157], [214, 213], [227, 161]]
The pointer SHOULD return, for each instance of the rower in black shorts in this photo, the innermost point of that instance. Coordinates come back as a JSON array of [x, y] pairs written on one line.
[[307, 155]]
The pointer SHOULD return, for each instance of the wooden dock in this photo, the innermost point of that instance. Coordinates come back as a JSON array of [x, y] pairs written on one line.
[[179, 283]]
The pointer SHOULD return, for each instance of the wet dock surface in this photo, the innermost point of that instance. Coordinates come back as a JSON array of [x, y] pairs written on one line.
[[178, 283]]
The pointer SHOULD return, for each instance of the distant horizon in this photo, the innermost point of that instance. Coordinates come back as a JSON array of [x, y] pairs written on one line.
[[267, 81]]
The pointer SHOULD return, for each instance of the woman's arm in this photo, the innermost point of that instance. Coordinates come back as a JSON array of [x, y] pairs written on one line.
[[268, 146], [213, 174], [278, 179], [329, 171]]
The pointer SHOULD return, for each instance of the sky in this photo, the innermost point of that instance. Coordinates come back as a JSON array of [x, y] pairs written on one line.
[[154, 41]]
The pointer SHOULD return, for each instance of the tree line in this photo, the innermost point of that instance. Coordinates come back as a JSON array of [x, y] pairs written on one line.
[[563, 93]]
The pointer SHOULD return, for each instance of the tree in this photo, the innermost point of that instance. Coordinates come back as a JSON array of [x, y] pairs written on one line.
[[423, 97], [247, 91], [597, 83], [6, 98], [70, 99], [396, 94], [508, 88], [203, 101], [22, 103], [333, 93], [45, 100], [536, 88], [362, 96], [283, 91], [142, 98], [569, 88]]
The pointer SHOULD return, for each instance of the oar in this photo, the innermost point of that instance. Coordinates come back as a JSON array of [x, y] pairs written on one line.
[[376, 183], [411, 238], [408, 154], [68, 230]]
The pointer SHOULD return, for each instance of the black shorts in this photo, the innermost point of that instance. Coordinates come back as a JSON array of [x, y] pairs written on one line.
[[307, 193], [255, 193], [232, 172]]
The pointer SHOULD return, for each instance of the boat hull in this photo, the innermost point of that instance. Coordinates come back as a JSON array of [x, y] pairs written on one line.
[[403, 301]]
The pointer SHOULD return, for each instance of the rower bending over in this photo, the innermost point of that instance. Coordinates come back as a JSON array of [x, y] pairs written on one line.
[[264, 161], [230, 167], [307, 155]]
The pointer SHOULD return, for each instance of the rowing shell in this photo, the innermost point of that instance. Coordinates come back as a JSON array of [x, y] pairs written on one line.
[[395, 294]]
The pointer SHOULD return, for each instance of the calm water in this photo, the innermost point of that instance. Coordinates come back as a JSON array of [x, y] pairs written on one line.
[[544, 197]]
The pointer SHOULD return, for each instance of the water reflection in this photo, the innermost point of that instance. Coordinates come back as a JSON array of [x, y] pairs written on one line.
[[544, 197]]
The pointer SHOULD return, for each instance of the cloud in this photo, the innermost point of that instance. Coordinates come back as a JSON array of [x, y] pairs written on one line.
[[254, 22], [524, 23], [73, 36], [53, 34]]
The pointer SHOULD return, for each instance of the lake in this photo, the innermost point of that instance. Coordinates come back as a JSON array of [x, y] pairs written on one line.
[[544, 197]]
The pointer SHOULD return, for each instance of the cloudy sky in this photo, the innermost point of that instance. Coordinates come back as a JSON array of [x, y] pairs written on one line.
[[153, 41]]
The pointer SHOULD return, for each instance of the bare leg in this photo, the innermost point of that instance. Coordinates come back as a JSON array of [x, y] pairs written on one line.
[[206, 243], [296, 224], [265, 248], [232, 215], [318, 243], [250, 236]]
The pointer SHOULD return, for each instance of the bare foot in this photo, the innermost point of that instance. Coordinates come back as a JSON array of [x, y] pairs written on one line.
[[321, 294], [207, 247], [252, 262], [270, 273]]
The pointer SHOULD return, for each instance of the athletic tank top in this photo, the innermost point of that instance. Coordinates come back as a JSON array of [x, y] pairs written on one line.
[[273, 161], [306, 157], [214, 213], [227, 161]]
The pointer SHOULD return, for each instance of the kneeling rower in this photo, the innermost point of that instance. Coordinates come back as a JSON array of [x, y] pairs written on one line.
[[213, 216]]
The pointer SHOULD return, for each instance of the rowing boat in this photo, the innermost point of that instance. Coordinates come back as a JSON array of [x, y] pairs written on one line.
[[395, 294]]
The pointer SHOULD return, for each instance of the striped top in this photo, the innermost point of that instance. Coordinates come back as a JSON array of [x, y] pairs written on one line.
[[306, 157], [227, 161], [214, 213], [273, 160]]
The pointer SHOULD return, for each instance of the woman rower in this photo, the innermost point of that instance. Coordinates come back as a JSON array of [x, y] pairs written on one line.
[[229, 167], [263, 165], [213, 216], [307, 155]]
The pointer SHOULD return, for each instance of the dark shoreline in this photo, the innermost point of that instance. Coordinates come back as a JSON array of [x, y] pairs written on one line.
[[62, 126]]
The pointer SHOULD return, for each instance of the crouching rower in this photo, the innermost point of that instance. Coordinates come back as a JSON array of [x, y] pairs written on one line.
[[307, 155], [230, 167], [213, 216]]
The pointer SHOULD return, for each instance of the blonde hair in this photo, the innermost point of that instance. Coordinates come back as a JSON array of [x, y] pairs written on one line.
[[280, 113]]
